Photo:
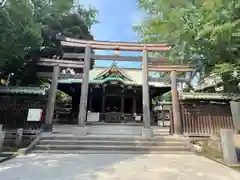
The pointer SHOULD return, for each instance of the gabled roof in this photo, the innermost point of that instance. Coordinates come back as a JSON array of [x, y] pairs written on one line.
[[126, 76], [113, 71]]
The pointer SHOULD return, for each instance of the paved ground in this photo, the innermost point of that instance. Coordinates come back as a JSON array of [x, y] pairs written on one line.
[[114, 167]]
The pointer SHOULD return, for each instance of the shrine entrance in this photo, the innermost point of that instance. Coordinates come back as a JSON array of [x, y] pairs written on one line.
[[113, 104]]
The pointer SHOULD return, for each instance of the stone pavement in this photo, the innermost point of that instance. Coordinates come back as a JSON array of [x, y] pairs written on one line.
[[114, 167]]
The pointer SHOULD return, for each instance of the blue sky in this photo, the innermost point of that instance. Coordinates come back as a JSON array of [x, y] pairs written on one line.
[[116, 19]]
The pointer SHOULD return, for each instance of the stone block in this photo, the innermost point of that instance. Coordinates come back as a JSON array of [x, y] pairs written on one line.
[[148, 133], [228, 147], [19, 137], [80, 131]]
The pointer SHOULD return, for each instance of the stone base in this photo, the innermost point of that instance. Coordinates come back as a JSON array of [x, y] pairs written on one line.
[[47, 128], [148, 133], [80, 131]]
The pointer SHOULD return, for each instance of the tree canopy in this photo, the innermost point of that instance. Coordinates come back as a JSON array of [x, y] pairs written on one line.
[[204, 33], [28, 24]]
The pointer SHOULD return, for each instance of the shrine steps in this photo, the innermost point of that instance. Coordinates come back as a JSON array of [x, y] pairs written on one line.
[[110, 144]]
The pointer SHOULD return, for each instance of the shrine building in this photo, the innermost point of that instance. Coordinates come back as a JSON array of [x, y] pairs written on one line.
[[114, 92]]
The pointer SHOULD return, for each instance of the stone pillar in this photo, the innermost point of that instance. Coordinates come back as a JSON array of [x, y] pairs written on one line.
[[51, 100], [2, 135], [145, 93], [19, 136], [228, 147], [84, 88], [235, 110], [175, 105]]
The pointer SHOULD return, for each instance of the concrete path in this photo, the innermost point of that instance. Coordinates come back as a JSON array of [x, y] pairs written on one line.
[[114, 167]]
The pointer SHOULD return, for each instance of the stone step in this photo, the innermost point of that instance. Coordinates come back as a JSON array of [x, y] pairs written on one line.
[[108, 142], [111, 147], [110, 137], [108, 152]]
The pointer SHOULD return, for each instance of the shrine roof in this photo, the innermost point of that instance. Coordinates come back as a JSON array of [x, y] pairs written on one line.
[[207, 96], [22, 90], [128, 76]]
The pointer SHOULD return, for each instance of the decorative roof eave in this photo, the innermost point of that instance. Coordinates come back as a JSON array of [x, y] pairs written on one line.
[[114, 65], [206, 96], [23, 90], [131, 83]]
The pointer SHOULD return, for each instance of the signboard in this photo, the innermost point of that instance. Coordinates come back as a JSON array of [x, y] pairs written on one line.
[[34, 115]]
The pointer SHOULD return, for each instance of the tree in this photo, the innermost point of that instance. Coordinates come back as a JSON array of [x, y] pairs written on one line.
[[35, 27], [17, 31], [205, 33]]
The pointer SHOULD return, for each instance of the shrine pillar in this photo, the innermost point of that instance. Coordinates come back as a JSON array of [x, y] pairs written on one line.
[[51, 99], [84, 88], [134, 105], [122, 104], [177, 124], [103, 100], [147, 132]]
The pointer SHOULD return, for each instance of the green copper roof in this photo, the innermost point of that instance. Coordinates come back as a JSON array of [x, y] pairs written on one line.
[[22, 90], [206, 96], [125, 76]]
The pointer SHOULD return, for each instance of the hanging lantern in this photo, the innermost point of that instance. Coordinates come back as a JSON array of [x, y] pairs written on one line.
[[116, 51]]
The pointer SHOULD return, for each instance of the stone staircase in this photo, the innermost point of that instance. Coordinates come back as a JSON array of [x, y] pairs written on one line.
[[99, 141]]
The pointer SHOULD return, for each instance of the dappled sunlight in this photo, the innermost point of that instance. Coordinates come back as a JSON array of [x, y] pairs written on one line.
[[114, 166]]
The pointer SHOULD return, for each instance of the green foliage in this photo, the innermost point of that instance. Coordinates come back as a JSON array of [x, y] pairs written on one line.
[[63, 99], [17, 31], [205, 32], [28, 24]]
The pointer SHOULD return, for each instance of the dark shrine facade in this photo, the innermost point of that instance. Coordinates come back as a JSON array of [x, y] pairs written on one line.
[[115, 93]]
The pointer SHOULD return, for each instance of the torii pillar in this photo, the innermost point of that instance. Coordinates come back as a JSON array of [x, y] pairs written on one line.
[[177, 124], [146, 131], [82, 115]]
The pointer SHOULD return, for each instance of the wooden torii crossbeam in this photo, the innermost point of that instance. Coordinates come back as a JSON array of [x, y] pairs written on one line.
[[121, 46], [169, 68], [60, 63]]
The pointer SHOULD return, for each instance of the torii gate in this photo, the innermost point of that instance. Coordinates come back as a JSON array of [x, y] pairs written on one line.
[[148, 64]]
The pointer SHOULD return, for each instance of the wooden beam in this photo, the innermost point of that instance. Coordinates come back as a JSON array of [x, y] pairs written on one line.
[[176, 66], [117, 47], [170, 69], [73, 55], [61, 61], [115, 43], [127, 58], [62, 65], [61, 75]]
